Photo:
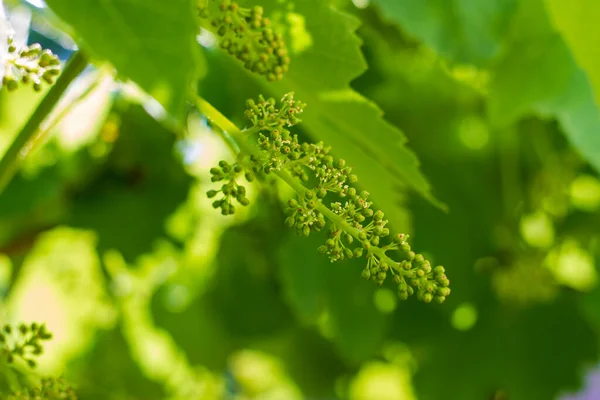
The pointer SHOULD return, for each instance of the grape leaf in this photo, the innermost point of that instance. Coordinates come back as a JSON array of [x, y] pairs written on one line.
[[152, 42], [247, 276], [304, 279], [577, 21], [465, 31], [326, 56], [197, 320], [243, 301], [506, 350], [503, 354], [313, 285], [141, 184], [560, 89], [108, 371]]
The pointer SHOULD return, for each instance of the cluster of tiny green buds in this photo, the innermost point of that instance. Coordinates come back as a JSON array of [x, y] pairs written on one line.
[[279, 147], [23, 341], [247, 35], [265, 114], [231, 189], [29, 64], [355, 229], [302, 214], [429, 283], [48, 389]]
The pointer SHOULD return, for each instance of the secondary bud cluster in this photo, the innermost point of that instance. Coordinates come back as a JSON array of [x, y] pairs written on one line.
[[29, 64], [24, 342], [230, 189], [355, 228], [49, 389], [247, 35]]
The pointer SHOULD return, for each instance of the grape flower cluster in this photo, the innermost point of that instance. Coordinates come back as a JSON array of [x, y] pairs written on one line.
[[48, 389], [247, 34], [29, 64], [353, 227], [24, 341]]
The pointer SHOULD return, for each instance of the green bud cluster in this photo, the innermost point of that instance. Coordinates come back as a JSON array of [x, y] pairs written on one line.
[[279, 147], [29, 64], [302, 215], [429, 283], [48, 389], [24, 341], [354, 228], [231, 189], [266, 116], [247, 35]]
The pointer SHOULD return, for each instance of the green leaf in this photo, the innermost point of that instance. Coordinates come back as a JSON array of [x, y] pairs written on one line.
[[141, 184], [503, 353], [316, 287], [109, 371], [304, 279], [197, 320], [577, 21], [538, 74], [326, 57], [245, 283], [152, 42], [465, 31], [241, 304]]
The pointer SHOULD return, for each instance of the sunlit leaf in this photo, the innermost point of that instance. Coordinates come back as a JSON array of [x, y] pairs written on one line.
[[466, 31], [151, 42], [577, 22], [320, 74], [539, 74]]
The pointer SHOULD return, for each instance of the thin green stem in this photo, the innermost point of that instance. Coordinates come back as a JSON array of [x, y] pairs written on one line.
[[23, 143], [230, 131]]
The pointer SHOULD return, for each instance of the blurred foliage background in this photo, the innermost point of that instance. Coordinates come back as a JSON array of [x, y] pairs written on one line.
[[106, 234]]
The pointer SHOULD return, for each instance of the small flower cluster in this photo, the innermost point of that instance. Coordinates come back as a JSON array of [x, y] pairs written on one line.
[[355, 228], [247, 35], [29, 64], [49, 389], [24, 342], [279, 147], [230, 189], [303, 215], [265, 115]]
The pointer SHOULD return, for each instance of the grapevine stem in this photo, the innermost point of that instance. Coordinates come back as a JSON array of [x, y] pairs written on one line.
[[230, 132], [23, 143]]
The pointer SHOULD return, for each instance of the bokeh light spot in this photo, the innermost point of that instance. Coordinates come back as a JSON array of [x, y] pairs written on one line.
[[585, 193], [383, 382], [572, 266], [473, 133], [464, 317], [537, 230], [385, 300]]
